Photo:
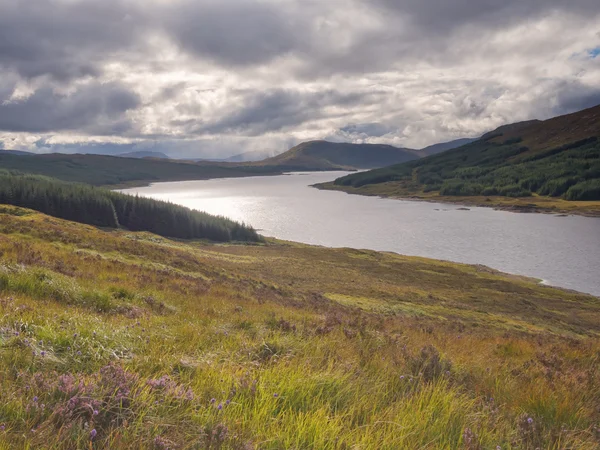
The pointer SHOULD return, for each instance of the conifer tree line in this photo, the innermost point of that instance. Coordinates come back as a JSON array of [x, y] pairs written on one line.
[[104, 208]]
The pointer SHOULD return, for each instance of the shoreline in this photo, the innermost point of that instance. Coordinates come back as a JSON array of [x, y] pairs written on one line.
[[517, 205]]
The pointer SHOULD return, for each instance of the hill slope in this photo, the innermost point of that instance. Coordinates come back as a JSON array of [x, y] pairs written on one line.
[[325, 155], [557, 159], [127, 340], [445, 146], [143, 154], [101, 170]]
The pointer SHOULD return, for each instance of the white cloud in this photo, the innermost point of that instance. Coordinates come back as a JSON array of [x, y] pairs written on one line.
[[208, 78]]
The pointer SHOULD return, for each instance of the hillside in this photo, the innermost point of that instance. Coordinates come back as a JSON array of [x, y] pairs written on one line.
[[101, 207], [100, 170], [127, 340], [323, 155], [445, 146], [249, 156], [548, 165], [143, 154]]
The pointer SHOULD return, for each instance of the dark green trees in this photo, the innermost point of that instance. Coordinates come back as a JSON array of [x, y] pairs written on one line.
[[100, 207]]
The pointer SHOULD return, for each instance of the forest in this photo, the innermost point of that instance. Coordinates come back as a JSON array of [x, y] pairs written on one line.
[[101, 207], [570, 171]]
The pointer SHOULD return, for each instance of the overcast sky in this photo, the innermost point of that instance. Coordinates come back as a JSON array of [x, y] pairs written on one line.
[[210, 78]]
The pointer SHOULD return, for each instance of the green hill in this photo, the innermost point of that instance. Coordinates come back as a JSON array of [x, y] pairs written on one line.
[[323, 155], [123, 340], [539, 161]]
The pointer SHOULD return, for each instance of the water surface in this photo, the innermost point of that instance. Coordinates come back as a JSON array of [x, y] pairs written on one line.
[[562, 251]]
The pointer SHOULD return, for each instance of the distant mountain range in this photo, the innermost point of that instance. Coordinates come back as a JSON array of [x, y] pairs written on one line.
[[323, 155], [151, 166], [143, 154]]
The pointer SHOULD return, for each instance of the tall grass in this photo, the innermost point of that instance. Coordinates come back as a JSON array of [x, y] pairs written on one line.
[[249, 351]]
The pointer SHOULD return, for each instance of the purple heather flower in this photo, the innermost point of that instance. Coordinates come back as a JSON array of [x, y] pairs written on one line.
[[35, 399], [2, 427], [75, 335], [43, 353], [220, 406], [79, 352], [402, 377], [213, 400], [41, 342], [95, 412], [275, 395], [16, 333], [227, 402], [93, 433], [529, 420]]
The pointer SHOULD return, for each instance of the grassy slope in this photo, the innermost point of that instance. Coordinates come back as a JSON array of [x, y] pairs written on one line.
[[535, 149], [329, 155], [314, 347]]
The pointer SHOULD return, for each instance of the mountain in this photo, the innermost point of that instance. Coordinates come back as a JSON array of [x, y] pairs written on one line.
[[16, 153], [143, 154], [323, 155], [445, 146], [249, 156], [554, 159], [103, 170]]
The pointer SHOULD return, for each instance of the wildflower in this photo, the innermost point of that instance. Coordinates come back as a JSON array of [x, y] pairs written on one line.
[[79, 353], [43, 353], [95, 413], [220, 406], [227, 402], [93, 433], [529, 420], [35, 399], [75, 335], [2, 427], [16, 333], [275, 395]]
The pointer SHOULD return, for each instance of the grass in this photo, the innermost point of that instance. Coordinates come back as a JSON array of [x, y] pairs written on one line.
[[113, 339]]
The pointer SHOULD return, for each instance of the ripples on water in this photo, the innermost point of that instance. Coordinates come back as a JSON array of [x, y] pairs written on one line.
[[563, 251]]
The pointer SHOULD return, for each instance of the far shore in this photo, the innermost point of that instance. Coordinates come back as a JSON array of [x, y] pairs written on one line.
[[534, 204]]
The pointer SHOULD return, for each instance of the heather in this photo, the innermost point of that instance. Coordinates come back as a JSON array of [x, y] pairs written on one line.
[[119, 339]]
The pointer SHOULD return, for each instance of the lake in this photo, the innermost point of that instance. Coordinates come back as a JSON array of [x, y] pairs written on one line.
[[562, 251]]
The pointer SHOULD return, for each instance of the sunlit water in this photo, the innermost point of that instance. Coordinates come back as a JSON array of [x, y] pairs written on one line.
[[562, 251]]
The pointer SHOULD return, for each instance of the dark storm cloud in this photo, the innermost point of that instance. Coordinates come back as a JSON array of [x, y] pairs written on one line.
[[442, 15], [233, 32], [64, 39], [94, 108], [277, 109]]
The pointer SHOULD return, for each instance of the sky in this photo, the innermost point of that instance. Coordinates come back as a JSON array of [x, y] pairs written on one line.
[[213, 78]]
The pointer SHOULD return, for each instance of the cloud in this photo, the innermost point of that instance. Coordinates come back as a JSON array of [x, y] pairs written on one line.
[[207, 76], [93, 107], [65, 39]]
